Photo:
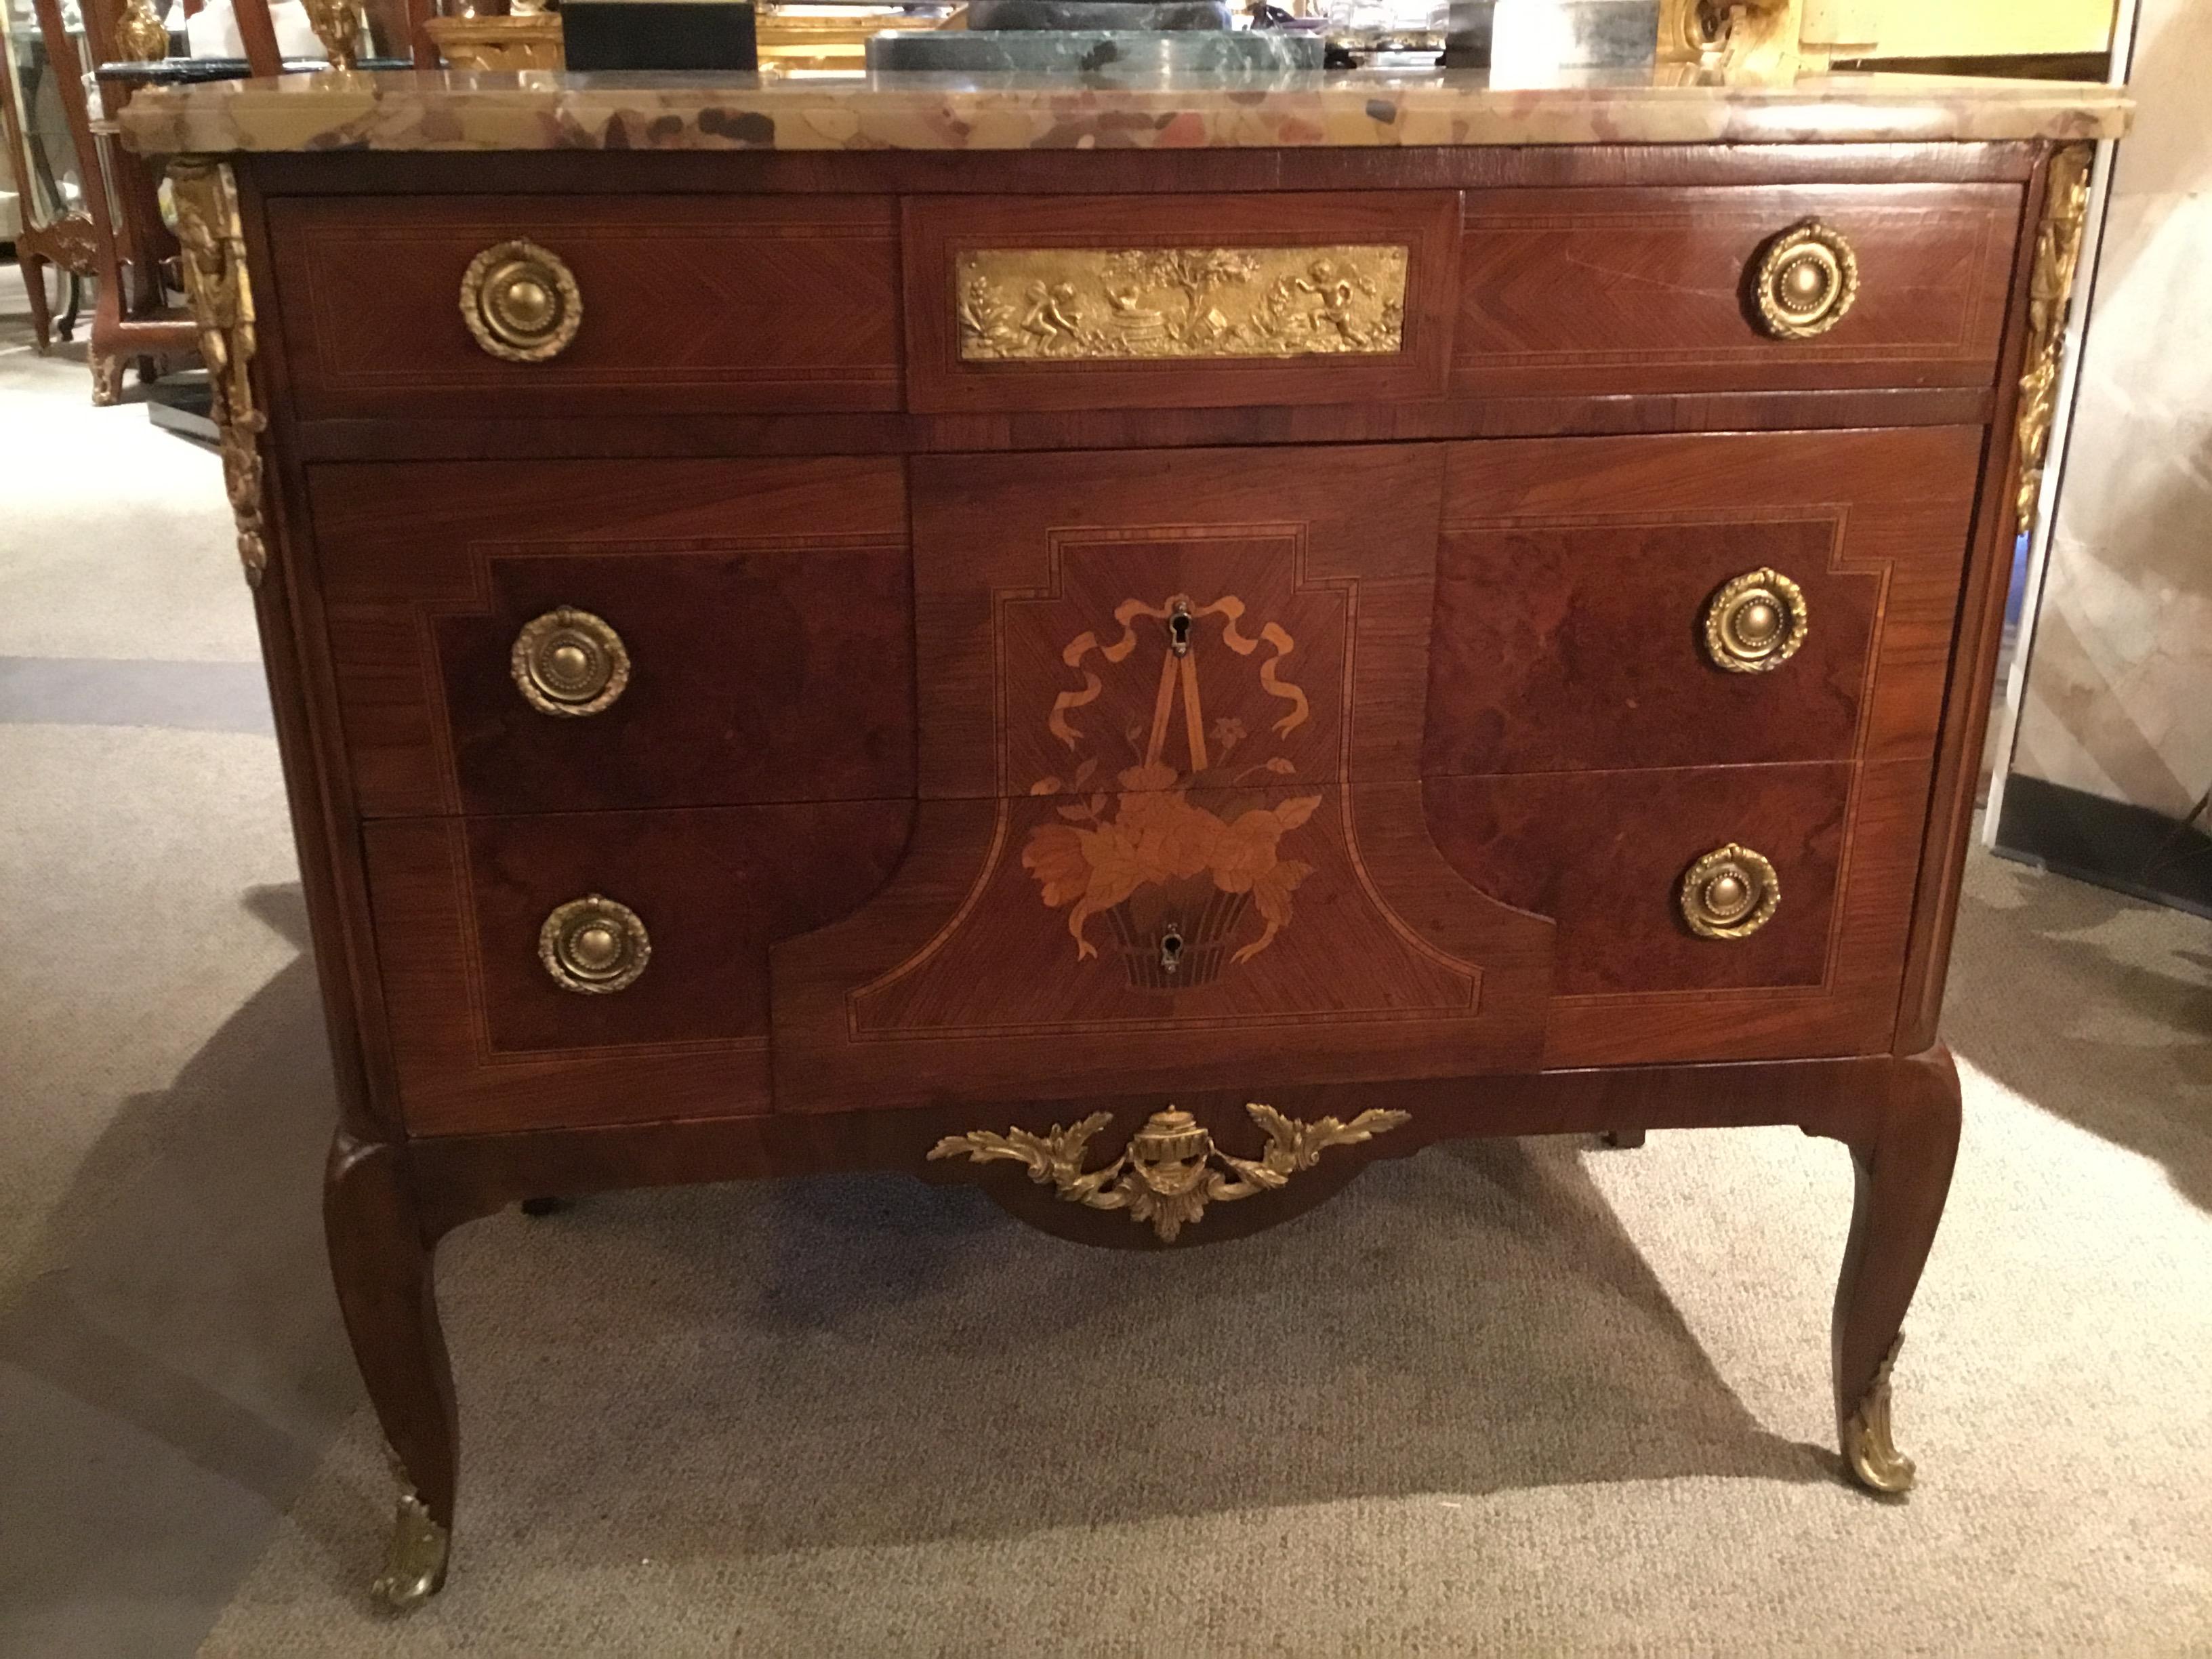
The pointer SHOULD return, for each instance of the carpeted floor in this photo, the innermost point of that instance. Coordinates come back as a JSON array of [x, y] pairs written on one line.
[[1513, 1397]]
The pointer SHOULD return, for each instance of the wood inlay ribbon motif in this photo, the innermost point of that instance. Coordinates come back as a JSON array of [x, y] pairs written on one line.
[[1149, 835]]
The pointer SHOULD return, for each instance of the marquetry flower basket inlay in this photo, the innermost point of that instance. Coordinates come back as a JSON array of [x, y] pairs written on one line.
[[1149, 835], [1176, 879]]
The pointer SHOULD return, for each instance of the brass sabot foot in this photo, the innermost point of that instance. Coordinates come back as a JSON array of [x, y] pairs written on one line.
[[1869, 1448], [415, 1565]]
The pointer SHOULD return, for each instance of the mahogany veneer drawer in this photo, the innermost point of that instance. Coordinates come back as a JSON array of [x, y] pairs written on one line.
[[540, 636], [679, 304], [1618, 290], [486, 1034], [1672, 601]]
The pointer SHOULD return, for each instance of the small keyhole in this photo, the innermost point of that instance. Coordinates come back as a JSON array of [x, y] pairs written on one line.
[[1179, 630], [1170, 951]]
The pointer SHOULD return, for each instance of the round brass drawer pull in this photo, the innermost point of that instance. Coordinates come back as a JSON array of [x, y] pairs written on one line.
[[1731, 893], [594, 946], [569, 662], [521, 302], [1755, 623], [1805, 281]]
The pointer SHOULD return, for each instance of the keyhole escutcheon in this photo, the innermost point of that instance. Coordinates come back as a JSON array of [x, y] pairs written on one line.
[[1179, 629]]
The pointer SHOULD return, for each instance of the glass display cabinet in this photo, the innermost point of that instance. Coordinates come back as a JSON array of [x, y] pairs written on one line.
[[38, 119], [89, 209]]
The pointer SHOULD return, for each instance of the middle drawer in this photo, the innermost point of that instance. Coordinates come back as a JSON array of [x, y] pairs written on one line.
[[571, 636]]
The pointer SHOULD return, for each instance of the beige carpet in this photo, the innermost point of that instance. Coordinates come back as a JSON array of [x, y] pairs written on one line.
[[1511, 1397]]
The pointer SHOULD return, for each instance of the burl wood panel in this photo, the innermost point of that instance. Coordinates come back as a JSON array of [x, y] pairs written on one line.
[[1615, 291], [690, 304], [1604, 853], [937, 228], [765, 605], [1042, 587], [484, 1039], [1092, 794], [1573, 579]]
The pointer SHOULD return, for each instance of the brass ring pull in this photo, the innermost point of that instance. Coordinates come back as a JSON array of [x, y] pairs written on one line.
[[1805, 281], [521, 302], [594, 946], [1731, 893], [1755, 623], [569, 662]]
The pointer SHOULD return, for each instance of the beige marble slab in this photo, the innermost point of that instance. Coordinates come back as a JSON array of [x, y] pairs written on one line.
[[544, 110]]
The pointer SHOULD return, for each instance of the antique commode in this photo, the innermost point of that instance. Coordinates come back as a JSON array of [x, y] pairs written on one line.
[[1139, 647]]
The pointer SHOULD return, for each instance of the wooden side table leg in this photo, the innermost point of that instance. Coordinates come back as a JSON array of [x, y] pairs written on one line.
[[381, 1261], [35, 285], [1903, 1154], [100, 351]]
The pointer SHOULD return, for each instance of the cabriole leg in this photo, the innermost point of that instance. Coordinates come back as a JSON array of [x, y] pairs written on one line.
[[1903, 1156], [382, 1264]]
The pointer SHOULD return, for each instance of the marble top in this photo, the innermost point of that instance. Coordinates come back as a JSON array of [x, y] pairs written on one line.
[[547, 110]]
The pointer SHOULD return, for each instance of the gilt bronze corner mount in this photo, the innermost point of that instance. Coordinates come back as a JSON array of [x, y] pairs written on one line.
[[2050, 286], [213, 244]]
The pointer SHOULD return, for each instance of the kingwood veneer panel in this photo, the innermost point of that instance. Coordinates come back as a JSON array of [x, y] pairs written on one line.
[[1615, 291], [690, 304], [1604, 854], [1574, 581], [484, 1039], [763, 604]]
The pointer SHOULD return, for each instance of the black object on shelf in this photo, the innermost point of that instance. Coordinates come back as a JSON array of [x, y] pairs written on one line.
[[658, 34], [180, 403], [194, 71]]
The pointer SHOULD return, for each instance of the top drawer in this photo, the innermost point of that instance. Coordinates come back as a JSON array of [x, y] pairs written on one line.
[[520, 306], [1610, 291], [672, 304]]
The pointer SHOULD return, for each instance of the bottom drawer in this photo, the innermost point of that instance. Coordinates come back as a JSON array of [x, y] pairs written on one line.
[[610, 967], [1604, 854], [656, 1006]]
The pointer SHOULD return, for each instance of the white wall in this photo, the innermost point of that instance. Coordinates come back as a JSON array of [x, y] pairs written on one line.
[[2117, 699]]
